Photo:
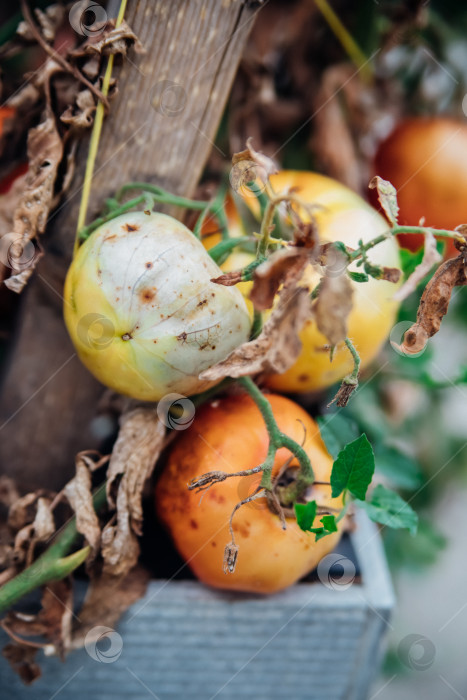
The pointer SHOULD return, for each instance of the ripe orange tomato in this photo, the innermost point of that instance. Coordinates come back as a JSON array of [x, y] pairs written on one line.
[[426, 161], [340, 215], [229, 435]]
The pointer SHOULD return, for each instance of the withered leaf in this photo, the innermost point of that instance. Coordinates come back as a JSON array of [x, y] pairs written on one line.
[[391, 274], [35, 528], [45, 151], [107, 598], [387, 195], [113, 40], [22, 660], [434, 304], [268, 277], [334, 303], [430, 258], [82, 115], [278, 345], [79, 494], [229, 279], [134, 455]]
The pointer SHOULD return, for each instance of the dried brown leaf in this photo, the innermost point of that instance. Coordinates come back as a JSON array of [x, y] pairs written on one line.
[[45, 151], [387, 195], [268, 277], [22, 660], [33, 521], [391, 274], [229, 279], [113, 40], [334, 303], [434, 304], [81, 115], [107, 598], [278, 345], [136, 450], [79, 494]]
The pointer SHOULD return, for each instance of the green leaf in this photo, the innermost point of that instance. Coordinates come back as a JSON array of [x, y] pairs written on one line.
[[305, 515], [353, 468], [329, 523], [336, 431], [410, 260], [388, 508], [400, 469], [387, 195], [357, 276]]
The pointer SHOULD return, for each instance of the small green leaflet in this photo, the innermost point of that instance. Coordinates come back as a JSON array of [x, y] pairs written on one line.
[[357, 276], [336, 431], [305, 518], [387, 195], [305, 515], [354, 468], [388, 508]]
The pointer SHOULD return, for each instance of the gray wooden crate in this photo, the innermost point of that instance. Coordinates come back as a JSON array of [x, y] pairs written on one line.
[[315, 641]]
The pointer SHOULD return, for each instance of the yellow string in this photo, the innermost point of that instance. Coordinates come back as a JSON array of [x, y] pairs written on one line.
[[95, 136], [345, 38]]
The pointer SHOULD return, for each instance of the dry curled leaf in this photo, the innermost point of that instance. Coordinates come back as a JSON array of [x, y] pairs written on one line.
[[32, 520], [79, 494], [22, 660], [434, 304], [334, 303], [229, 279], [387, 195], [80, 115], [107, 598], [430, 258], [391, 274], [269, 276], [45, 151], [113, 40], [278, 345], [134, 455]]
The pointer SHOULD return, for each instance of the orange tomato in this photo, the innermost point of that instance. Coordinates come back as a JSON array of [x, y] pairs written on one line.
[[230, 435], [426, 161]]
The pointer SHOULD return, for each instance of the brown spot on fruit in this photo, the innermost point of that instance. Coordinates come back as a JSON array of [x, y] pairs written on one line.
[[203, 302], [147, 295], [303, 377], [193, 524], [182, 337], [130, 227], [213, 544], [149, 265]]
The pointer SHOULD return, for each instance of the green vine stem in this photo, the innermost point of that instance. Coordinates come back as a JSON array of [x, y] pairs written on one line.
[[52, 565], [162, 196], [115, 211], [354, 255], [277, 439], [353, 377]]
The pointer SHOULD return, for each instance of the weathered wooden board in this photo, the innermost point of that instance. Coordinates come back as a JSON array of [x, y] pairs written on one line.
[[160, 129]]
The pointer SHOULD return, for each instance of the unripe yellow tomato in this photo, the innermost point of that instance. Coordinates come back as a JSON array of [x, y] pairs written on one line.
[[142, 311], [341, 215]]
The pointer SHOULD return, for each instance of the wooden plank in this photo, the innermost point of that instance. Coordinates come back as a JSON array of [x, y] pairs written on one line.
[[157, 131]]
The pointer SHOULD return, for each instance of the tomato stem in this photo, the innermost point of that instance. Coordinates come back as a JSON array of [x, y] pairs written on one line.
[[85, 232], [52, 565]]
